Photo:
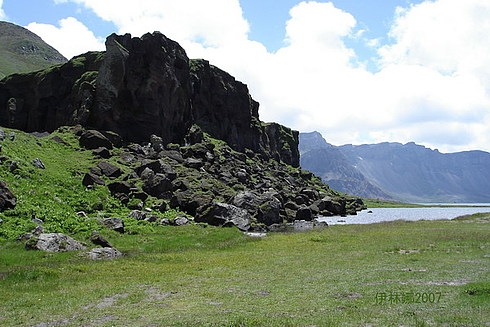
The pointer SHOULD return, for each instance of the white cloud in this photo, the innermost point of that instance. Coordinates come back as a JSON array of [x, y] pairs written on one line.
[[212, 22], [446, 35], [432, 86], [2, 13], [71, 38], [440, 59]]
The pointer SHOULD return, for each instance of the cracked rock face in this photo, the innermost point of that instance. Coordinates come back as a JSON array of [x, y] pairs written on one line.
[[143, 87]]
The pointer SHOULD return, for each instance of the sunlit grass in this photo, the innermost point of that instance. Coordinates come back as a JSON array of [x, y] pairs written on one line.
[[194, 276]]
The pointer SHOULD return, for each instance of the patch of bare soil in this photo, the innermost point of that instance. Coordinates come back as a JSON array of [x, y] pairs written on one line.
[[106, 302]]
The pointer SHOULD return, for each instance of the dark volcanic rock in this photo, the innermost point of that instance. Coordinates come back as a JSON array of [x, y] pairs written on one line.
[[46, 100], [91, 139], [102, 152], [190, 202], [224, 108], [222, 214], [116, 224], [247, 200], [119, 187], [7, 199], [142, 87], [98, 239], [157, 166], [142, 215], [157, 185], [185, 131], [91, 179], [269, 211], [304, 213], [109, 170]]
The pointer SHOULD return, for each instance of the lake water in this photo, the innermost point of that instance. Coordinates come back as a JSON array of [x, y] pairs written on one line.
[[389, 214]]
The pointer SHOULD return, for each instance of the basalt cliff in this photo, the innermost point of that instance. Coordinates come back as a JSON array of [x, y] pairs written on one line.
[[139, 87], [178, 130]]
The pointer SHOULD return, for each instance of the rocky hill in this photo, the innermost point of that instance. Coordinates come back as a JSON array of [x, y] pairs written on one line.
[[22, 51], [334, 168], [139, 87], [177, 132], [406, 172]]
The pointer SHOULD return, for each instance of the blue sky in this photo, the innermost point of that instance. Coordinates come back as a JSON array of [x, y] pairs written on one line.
[[356, 71]]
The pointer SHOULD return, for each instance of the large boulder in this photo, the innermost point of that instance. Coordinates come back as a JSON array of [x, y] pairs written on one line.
[[142, 215], [247, 200], [7, 199], [92, 139], [190, 202], [54, 242], [116, 224], [157, 185], [270, 210], [109, 170], [329, 206], [157, 166], [91, 179], [266, 207], [227, 215]]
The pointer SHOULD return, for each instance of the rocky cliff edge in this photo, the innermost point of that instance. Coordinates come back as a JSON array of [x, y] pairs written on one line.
[[188, 133], [140, 87]]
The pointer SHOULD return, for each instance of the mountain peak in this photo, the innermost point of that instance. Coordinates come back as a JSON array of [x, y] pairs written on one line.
[[408, 172], [22, 51], [312, 140]]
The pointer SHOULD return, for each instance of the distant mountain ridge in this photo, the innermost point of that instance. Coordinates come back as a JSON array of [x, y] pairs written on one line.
[[22, 51], [405, 172]]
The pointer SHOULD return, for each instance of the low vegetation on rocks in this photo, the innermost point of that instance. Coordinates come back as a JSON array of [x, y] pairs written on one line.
[[76, 181]]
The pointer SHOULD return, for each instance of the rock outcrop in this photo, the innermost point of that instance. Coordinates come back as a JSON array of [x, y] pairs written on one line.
[[214, 184], [141, 87], [54, 242], [7, 198], [184, 132]]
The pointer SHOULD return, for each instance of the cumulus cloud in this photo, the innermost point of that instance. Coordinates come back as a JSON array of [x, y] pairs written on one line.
[[439, 57], [2, 13], [432, 85], [63, 37], [212, 22]]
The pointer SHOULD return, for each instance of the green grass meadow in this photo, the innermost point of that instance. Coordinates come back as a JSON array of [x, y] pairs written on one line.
[[351, 275]]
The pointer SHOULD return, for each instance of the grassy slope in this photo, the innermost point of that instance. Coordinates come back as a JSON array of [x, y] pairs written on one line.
[[193, 276], [23, 51], [54, 194], [218, 277]]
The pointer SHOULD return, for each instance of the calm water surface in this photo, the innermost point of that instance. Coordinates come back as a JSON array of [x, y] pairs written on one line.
[[389, 214]]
